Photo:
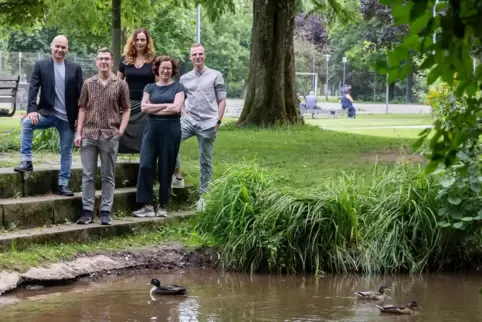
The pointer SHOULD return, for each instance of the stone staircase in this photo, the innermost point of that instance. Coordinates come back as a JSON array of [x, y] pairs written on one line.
[[31, 212]]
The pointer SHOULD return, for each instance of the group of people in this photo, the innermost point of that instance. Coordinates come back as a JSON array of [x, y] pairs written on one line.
[[141, 109]]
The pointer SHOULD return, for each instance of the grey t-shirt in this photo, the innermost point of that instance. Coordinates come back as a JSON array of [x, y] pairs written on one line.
[[59, 75], [164, 94]]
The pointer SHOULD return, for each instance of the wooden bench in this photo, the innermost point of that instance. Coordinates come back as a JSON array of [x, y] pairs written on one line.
[[8, 94]]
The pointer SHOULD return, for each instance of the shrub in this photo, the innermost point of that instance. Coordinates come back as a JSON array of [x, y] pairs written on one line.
[[386, 222]]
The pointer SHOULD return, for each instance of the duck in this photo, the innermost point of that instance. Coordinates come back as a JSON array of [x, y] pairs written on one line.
[[372, 295], [166, 289], [399, 309]]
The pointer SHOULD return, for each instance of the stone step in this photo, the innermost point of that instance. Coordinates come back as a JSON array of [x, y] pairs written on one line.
[[30, 212], [44, 179], [74, 233]]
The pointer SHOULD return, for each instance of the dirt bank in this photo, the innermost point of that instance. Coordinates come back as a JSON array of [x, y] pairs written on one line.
[[94, 265]]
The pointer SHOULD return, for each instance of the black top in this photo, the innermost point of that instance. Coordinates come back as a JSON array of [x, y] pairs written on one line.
[[137, 78], [43, 79], [164, 94]]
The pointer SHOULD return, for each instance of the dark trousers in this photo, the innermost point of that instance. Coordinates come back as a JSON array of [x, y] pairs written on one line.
[[160, 143]]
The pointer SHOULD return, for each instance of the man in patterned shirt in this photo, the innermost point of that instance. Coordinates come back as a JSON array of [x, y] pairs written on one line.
[[100, 126]]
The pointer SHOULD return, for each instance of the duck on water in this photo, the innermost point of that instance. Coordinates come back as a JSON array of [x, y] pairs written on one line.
[[167, 289]]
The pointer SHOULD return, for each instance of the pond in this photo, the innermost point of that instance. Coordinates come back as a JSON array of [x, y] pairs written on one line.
[[217, 296]]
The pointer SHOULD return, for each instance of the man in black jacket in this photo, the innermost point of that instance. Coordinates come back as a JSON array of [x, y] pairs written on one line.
[[60, 83]]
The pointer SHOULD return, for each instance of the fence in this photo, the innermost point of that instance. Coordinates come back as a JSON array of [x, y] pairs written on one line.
[[367, 85]]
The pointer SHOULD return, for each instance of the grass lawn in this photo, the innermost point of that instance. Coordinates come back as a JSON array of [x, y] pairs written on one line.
[[9, 123], [387, 133], [369, 120], [301, 155]]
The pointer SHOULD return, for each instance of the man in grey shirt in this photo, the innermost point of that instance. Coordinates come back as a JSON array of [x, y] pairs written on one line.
[[202, 115]]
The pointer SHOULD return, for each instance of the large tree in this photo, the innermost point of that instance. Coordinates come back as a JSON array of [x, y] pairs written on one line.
[[271, 97]]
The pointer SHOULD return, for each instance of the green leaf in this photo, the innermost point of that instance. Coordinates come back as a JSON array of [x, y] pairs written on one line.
[[431, 166], [393, 75], [475, 187], [443, 211], [454, 200], [444, 224], [420, 23], [458, 225], [447, 182], [434, 74], [468, 218]]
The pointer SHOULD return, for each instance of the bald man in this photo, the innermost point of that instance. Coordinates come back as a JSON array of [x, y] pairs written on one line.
[[60, 82]]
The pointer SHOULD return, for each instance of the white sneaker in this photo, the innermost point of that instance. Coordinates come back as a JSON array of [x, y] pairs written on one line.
[[161, 212], [177, 183], [201, 205], [144, 212]]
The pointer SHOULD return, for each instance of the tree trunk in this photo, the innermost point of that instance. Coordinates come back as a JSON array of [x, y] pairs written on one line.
[[409, 87], [270, 94], [391, 91], [116, 31]]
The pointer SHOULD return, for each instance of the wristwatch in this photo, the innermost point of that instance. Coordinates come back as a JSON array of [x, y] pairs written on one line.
[[219, 122]]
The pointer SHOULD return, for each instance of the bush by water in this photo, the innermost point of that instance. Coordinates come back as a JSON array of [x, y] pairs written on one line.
[[384, 222]]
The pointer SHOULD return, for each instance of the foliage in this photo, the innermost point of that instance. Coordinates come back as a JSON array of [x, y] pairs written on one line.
[[17, 13], [460, 194], [46, 140], [383, 223], [382, 32], [458, 32], [311, 29]]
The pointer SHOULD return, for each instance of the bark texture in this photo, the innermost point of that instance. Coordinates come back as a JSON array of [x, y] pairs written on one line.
[[270, 95]]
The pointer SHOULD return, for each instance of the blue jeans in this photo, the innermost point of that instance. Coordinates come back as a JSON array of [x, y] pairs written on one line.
[[66, 142]]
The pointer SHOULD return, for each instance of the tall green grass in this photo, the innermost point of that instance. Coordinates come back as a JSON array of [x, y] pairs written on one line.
[[384, 222]]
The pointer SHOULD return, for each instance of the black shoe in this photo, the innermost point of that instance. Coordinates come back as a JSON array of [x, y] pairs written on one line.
[[86, 218], [64, 191], [105, 218], [24, 166]]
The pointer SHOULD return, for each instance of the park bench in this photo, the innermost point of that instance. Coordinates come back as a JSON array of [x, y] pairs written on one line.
[[328, 113], [8, 94]]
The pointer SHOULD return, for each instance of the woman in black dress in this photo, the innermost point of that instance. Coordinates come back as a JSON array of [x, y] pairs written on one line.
[[135, 68]]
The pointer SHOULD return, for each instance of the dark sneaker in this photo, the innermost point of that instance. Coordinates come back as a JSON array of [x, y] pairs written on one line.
[[145, 211], [86, 218], [64, 191], [24, 166], [105, 218]]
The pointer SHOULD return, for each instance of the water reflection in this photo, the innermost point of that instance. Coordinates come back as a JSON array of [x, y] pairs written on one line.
[[214, 296]]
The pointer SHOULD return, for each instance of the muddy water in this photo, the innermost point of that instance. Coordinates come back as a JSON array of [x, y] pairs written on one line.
[[215, 296]]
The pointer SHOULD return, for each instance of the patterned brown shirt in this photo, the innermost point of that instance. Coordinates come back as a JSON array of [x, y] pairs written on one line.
[[104, 105]]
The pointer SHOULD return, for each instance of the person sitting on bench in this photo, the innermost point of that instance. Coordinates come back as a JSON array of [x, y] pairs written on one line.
[[310, 101], [347, 102]]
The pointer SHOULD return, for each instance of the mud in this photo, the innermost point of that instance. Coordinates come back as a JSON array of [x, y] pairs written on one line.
[[101, 264]]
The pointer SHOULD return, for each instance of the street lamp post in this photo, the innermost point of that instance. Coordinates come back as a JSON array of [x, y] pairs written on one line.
[[326, 89], [344, 69], [198, 24]]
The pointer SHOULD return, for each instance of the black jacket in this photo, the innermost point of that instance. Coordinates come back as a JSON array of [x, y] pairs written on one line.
[[43, 79]]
